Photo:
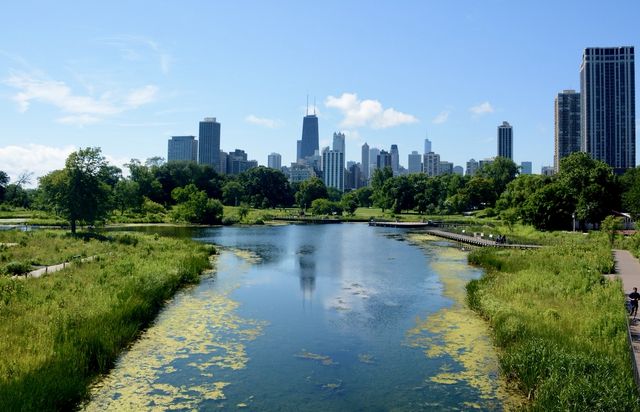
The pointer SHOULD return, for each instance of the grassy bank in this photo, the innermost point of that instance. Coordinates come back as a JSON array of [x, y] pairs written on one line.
[[61, 331], [561, 326]]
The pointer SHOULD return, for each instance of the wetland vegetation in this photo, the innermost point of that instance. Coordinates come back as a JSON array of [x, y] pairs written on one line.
[[61, 331]]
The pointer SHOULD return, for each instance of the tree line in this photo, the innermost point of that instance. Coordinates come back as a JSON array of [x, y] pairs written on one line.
[[88, 190]]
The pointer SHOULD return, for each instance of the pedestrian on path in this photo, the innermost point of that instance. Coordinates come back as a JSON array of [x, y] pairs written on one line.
[[633, 297]]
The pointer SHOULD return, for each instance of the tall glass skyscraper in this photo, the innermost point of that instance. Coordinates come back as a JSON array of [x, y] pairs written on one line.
[[209, 153], [607, 92], [395, 159], [182, 148], [365, 162], [567, 126], [505, 140], [310, 139]]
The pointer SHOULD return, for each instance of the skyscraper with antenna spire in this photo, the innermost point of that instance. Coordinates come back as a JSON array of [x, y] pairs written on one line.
[[309, 143]]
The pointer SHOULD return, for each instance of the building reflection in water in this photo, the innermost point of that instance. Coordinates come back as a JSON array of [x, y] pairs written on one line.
[[307, 272]]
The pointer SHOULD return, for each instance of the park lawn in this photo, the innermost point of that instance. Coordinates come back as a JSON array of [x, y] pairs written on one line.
[[61, 331], [560, 325]]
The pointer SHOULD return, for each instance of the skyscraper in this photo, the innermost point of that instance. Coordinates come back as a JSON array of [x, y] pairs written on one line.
[[274, 161], [566, 125], [431, 164], [526, 168], [427, 145], [338, 142], [373, 160], [182, 148], [333, 168], [383, 159], [505, 140], [395, 159], [309, 142], [365, 162], [607, 105], [472, 167], [209, 150], [415, 162]]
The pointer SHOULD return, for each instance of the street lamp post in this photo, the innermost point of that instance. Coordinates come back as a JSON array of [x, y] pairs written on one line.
[[573, 216]]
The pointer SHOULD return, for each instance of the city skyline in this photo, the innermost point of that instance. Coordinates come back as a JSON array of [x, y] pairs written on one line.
[[127, 84]]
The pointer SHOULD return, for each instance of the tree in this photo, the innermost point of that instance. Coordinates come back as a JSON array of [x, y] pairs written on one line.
[[193, 206], [500, 172], [126, 195], [232, 193], [592, 186], [4, 180], [610, 225], [349, 203], [380, 196], [364, 196], [80, 191], [325, 207], [310, 190], [631, 192], [265, 187]]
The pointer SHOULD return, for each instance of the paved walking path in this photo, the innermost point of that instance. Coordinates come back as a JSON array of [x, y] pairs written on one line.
[[628, 270], [53, 268]]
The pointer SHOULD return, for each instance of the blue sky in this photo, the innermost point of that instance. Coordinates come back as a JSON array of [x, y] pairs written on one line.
[[125, 76]]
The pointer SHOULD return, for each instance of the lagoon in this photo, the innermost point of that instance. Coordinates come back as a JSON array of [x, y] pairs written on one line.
[[314, 317]]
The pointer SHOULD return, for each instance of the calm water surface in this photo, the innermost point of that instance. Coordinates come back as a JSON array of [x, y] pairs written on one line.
[[313, 317]]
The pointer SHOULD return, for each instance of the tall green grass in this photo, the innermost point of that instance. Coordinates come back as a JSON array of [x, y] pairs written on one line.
[[60, 331], [560, 324]]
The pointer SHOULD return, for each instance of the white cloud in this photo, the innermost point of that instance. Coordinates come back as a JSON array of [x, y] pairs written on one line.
[[442, 117], [35, 158], [81, 109], [132, 48], [359, 113], [482, 109], [78, 120], [142, 96], [262, 121]]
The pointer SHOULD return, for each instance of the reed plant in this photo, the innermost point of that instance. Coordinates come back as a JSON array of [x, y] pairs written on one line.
[[61, 331], [561, 326]]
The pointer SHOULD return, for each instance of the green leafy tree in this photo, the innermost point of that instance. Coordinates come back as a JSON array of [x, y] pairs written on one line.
[[631, 192], [126, 195], [610, 225], [4, 181], [381, 198], [310, 190], [334, 194], [81, 191], [500, 172], [364, 196], [232, 193], [325, 207], [349, 203], [265, 187], [592, 186], [194, 206], [549, 208]]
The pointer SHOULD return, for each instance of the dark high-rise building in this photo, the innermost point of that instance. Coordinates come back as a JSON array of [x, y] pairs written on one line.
[[209, 145], [365, 162], [567, 125], [395, 159], [505, 140], [182, 148], [607, 93], [383, 160], [310, 136]]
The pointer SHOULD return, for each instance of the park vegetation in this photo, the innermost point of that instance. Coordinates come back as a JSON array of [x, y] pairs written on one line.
[[560, 324], [91, 191], [59, 332]]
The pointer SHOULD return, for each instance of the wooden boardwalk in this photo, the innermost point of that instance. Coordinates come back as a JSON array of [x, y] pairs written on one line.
[[470, 240], [628, 271]]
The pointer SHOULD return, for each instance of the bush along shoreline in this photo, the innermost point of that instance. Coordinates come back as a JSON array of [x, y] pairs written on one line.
[[559, 324], [60, 332]]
